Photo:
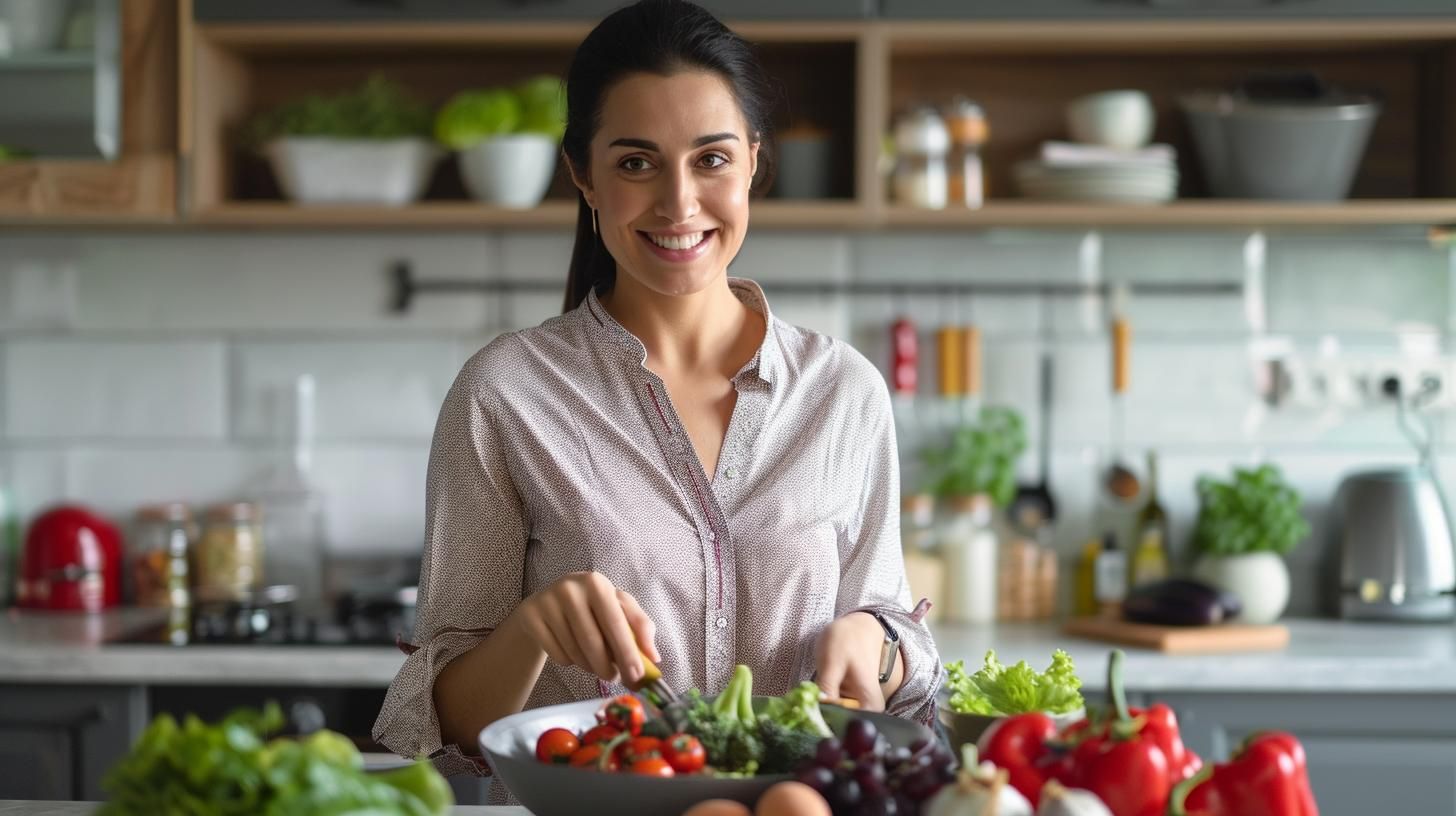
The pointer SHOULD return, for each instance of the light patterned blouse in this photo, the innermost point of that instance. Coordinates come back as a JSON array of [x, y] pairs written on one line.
[[557, 450]]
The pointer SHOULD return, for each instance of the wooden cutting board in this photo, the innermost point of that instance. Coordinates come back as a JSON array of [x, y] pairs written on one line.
[[1228, 637]]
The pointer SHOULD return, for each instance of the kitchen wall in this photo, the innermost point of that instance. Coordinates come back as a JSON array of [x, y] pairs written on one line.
[[142, 366]]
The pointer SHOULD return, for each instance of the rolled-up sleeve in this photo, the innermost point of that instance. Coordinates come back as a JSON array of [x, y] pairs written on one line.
[[872, 575], [471, 570]]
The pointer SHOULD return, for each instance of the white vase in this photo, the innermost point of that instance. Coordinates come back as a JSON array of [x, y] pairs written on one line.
[[510, 171], [315, 170], [1260, 580]]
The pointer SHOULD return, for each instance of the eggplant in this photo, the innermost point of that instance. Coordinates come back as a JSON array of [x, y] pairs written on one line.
[[1180, 602]]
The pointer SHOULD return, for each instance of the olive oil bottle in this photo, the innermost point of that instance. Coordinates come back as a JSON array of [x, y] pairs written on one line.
[[1149, 560]]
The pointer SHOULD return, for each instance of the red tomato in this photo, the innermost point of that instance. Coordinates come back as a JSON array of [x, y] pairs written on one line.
[[652, 766], [591, 758], [599, 733], [639, 748], [684, 753], [623, 712], [556, 745]]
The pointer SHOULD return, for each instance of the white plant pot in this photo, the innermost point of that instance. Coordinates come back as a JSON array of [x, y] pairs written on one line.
[[1260, 580], [510, 171], [391, 172], [31, 25]]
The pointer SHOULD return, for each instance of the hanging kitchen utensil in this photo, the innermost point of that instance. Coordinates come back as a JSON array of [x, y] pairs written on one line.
[[1119, 480], [1034, 508]]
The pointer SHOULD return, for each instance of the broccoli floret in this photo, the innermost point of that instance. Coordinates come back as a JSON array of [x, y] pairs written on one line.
[[799, 710], [784, 747]]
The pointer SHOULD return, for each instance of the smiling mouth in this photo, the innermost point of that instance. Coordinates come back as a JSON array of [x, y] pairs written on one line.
[[679, 248], [679, 242]]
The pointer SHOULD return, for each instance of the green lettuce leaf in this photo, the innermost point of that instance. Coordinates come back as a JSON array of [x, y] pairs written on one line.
[[996, 690]]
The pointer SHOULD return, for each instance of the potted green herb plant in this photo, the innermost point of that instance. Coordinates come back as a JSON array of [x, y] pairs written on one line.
[[1245, 527], [981, 457], [368, 145], [507, 139]]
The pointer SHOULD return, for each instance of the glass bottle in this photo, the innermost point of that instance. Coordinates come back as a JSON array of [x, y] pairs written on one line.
[[292, 507], [968, 544], [227, 561], [966, 124], [924, 568], [1110, 576], [921, 145], [1150, 534]]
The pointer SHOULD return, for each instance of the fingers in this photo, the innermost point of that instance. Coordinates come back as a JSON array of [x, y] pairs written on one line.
[[864, 687], [642, 626], [832, 668], [619, 643]]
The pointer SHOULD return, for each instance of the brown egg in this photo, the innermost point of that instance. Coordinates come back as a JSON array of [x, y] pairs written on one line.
[[718, 807], [791, 799]]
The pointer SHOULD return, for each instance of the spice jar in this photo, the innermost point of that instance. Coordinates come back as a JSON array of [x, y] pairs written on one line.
[[921, 143], [966, 124], [159, 546], [228, 559]]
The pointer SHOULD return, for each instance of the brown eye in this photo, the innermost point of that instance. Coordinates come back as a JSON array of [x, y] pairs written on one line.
[[717, 160], [634, 164]]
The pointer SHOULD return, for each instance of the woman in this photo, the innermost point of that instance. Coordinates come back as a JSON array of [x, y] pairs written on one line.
[[665, 467]]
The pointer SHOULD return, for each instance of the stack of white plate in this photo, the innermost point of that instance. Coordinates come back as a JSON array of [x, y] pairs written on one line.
[[1131, 182]]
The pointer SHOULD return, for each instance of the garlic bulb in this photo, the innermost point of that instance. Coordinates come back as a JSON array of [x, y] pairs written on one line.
[[979, 790], [1060, 801]]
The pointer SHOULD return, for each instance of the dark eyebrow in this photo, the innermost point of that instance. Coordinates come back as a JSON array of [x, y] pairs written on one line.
[[698, 142]]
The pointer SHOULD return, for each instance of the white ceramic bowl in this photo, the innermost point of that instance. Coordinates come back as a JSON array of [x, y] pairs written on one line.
[[391, 172], [1117, 119], [510, 171]]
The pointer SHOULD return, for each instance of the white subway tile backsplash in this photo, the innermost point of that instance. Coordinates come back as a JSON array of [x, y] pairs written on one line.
[[109, 389], [992, 256], [808, 257], [1354, 284], [38, 282], [38, 479], [536, 255], [374, 498], [364, 390], [118, 479], [259, 282]]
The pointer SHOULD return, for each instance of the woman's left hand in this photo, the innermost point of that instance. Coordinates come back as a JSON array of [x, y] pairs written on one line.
[[848, 660]]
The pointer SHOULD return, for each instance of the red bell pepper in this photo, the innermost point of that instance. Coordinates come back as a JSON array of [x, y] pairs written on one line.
[[1121, 759], [1160, 725], [1265, 777], [1025, 746]]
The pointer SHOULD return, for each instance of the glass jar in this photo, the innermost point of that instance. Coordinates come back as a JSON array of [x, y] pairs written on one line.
[[228, 559], [968, 544], [921, 144], [924, 569], [159, 545], [966, 124]]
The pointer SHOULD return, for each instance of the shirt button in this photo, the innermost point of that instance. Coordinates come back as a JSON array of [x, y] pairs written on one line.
[[731, 472], [722, 623]]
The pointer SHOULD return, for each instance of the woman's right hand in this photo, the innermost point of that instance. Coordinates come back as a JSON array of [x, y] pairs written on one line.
[[583, 620]]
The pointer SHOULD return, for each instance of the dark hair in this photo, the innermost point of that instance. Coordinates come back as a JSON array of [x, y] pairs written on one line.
[[660, 37]]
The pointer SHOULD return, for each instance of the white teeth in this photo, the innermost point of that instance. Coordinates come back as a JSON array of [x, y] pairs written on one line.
[[688, 241]]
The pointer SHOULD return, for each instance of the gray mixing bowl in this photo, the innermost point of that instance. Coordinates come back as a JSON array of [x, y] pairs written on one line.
[[509, 746]]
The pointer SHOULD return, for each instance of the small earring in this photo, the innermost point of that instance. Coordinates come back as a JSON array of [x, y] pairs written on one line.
[[595, 229]]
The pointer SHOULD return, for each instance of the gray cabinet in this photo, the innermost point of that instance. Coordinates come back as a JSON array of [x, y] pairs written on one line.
[[1362, 748], [57, 741], [1163, 9], [426, 10]]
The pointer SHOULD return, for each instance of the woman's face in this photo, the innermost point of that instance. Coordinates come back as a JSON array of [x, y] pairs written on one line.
[[670, 169]]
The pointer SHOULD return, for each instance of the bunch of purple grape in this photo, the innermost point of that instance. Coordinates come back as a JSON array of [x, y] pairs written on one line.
[[863, 776]]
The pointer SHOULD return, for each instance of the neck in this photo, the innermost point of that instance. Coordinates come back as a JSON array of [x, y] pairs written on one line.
[[684, 332]]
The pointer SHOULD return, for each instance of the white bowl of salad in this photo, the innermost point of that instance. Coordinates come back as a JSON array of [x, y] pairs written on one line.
[[971, 702]]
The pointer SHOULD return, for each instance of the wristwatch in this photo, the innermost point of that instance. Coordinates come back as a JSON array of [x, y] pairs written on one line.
[[888, 649]]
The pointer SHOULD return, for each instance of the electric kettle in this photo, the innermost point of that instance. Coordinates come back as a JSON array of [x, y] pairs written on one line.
[[1394, 540]]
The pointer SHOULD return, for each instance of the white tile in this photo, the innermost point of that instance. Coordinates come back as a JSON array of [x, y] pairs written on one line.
[[38, 479], [117, 480], [1188, 393], [1081, 393], [239, 281], [364, 390], [374, 497], [114, 389], [992, 256], [1356, 284], [824, 314], [1174, 257], [38, 282], [524, 310], [542, 256], [798, 256]]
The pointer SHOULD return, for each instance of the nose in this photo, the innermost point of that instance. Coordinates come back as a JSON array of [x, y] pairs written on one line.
[[677, 196]]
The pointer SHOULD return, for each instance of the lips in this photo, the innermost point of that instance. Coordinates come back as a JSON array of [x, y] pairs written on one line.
[[680, 255]]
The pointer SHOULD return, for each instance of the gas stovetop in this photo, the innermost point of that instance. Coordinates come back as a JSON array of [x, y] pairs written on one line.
[[276, 619]]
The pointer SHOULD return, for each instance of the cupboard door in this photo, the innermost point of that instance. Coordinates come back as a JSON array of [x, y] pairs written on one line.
[[56, 742]]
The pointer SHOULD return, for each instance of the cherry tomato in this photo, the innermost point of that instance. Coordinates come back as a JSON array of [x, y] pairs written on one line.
[[599, 733], [684, 753], [652, 766], [639, 748], [591, 758], [556, 745], [623, 712]]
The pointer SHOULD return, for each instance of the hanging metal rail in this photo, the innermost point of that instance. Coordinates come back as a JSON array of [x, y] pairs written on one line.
[[407, 287]]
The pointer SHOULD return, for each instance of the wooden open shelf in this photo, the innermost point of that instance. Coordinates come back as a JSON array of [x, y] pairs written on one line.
[[851, 78]]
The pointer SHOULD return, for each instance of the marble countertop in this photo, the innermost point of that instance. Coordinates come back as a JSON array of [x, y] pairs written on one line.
[[1322, 656]]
